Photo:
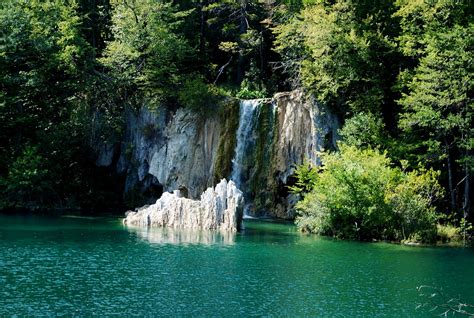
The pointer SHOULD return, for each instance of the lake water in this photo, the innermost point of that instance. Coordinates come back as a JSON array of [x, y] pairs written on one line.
[[79, 266]]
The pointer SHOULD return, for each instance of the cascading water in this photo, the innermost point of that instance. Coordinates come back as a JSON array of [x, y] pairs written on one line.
[[245, 143]]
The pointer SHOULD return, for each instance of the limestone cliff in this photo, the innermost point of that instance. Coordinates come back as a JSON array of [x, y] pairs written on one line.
[[166, 150]]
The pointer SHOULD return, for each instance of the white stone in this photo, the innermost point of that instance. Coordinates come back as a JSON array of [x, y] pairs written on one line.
[[220, 208]]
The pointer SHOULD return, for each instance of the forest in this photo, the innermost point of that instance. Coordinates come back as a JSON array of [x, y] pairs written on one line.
[[398, 74]]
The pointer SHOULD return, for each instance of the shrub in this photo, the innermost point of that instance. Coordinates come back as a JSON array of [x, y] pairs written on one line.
[[363, 130], [306, 175], [251, 90], [448, 233], [27, 183], [359, 195], [200, 97]]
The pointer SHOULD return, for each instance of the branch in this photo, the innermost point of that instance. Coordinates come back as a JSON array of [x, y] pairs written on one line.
[[102, 75], [436, 300], [221, 70]]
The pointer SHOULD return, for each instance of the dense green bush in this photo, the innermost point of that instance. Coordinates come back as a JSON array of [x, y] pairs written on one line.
[[198, 96], [359, 195], [27, 180], [363, 130]]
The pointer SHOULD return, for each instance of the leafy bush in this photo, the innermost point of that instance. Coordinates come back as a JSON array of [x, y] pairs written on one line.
[[357, 194], [252, 86], [448, 233], [363, 130], [198, 96], [306, 175], [250, 90], [27, 181]]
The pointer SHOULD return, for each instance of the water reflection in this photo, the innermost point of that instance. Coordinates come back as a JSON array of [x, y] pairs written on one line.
[[157, 235]]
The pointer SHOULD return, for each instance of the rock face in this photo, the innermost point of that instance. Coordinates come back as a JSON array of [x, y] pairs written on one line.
[[187, 159], [284, 131], [220, 208], [167, 150], [304, 128]]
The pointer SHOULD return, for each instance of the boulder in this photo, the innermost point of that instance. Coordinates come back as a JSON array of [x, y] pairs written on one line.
[[220, 208]]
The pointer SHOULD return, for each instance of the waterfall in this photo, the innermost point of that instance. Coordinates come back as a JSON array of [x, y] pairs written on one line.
[[253, 150], [246, 137]]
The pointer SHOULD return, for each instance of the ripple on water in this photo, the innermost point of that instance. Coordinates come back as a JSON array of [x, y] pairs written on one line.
[[97, 267]]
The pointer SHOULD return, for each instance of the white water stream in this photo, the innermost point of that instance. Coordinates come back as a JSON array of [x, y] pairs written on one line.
[[245, 141]]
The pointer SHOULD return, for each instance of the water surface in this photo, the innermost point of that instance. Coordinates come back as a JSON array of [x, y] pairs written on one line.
[[81, 266]]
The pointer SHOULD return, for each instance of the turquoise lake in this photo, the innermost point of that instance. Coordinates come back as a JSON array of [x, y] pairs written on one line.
[[96, 266]]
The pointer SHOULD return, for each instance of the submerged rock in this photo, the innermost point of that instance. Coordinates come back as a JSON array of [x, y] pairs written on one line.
[[220, 208]]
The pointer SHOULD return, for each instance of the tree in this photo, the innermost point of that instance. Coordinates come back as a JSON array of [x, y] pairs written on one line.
[[147, 51], [46, 71], [340, 52], [235, 27], [437, 101], [359, 195], [364, 130]]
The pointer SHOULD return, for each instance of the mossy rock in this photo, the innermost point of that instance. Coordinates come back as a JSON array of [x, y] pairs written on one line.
[[229, 116]]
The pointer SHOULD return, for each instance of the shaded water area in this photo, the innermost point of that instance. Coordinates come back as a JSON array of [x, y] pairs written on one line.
[[81, 266]]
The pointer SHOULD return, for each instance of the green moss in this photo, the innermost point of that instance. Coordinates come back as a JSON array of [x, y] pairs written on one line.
[[261, 179], [229, 115]]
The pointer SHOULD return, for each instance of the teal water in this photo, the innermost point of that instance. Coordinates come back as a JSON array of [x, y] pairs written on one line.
[[83, 267]]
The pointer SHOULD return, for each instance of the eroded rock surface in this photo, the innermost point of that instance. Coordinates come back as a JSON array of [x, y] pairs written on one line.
[[219, 208], [166, 150]]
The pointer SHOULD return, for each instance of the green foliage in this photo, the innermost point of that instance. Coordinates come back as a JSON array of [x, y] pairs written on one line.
[[252, 86], [438, 111], [338, 52], [466, 230], [420, 19], [438, 97], [198, 96], [306, 176], [410, 201], [46, 88], [448, 233], [398, 73], [249, 90], [235, 27], [147, 51], [27, 181], [358, 195], [43, 61], [364, 130]]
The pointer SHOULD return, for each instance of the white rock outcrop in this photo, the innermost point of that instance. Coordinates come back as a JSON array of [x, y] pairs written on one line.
[[220, 208]]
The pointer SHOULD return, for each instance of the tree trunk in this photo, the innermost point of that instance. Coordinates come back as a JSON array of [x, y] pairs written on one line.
[[467, 199], [242, 30], [202, 27], [452, 191]]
